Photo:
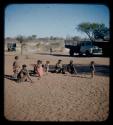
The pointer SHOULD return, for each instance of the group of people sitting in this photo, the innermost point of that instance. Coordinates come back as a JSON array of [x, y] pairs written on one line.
[[62, 69], [22, 74]]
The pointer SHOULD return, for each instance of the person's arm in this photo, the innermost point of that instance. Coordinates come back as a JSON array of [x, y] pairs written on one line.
[[35, 68], [56, 66], [75, 69], [94, 68]]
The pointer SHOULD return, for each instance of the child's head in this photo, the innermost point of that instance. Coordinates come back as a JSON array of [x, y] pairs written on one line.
[[24, 66], [16, 57], [59, 61], [71, 61], [47, 62], [92, 62], [38, 61]]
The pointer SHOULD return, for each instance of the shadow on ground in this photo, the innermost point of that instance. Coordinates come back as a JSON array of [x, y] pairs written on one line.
[[10, 77], [64, 55], [101, 70], [43, 53]]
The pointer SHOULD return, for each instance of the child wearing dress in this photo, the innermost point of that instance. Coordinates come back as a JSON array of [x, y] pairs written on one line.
[[16, 67], [39, 69], [92, 68]]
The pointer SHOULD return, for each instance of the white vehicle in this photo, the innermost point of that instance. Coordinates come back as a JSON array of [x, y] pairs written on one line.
[[88, 48], [83, 47]]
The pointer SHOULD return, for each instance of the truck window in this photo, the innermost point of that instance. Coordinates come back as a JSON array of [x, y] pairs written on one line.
[[82, 44], [88, 43]]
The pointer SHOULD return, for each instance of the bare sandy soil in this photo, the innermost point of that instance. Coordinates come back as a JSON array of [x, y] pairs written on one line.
[[58, 97]]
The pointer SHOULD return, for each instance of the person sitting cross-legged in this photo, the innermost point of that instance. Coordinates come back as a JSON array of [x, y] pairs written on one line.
[[71, 68], [23, 75], [59, 67]]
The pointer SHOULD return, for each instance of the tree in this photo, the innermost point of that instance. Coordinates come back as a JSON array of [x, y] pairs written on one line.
[[51, 37], [93, 30], [34, 36], [20, 39], [101, 32]]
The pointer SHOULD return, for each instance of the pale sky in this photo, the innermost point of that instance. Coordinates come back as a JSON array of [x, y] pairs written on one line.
[[58, 20]]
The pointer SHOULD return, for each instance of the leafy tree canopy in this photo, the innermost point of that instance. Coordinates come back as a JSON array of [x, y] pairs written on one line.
[[94, 30]]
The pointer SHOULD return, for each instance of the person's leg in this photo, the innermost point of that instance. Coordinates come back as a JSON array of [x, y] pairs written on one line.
[[63, 70], [92, 74], [22, 77], [47, 71], [57, 70], [25, 78], [69, 70], [74, 70], [15, 74], [38, 74], [60, 70]]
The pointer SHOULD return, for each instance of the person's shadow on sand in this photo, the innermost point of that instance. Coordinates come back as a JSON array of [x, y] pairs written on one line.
[[80, 76], [32, 73], [10, 77]]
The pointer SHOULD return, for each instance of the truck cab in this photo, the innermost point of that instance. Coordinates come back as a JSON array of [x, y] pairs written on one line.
[[88, 48]]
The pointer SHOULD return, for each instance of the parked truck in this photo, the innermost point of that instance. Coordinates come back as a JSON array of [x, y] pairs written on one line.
[[82, 47]]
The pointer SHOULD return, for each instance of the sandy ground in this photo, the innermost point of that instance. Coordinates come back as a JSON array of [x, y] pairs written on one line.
[[57, 97]]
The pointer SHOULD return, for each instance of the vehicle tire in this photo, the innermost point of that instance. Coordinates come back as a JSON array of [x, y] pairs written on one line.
[[80, 54], [87, 53], [71, 52]]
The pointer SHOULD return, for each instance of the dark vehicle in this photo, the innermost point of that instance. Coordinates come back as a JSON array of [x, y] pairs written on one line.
[[106, 47], [11, 46]]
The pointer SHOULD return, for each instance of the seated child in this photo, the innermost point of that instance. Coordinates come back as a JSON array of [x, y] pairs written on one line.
[[70, 68], [39, 69], [59, 67], [16, 67], [24, 74], [46, 67]]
